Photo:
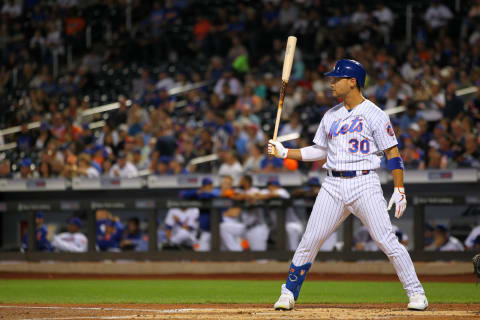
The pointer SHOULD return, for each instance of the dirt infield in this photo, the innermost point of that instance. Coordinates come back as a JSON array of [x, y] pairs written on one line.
[[248, 311], [241, 276]]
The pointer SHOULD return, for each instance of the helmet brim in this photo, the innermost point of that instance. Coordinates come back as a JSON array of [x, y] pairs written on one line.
[[336, 74]]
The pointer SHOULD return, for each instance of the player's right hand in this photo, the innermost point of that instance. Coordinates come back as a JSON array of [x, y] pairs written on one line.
[[276, 149], [400, 200]]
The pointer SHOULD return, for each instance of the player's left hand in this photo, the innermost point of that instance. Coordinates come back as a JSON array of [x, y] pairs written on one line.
[[275, 148], [400, 200]]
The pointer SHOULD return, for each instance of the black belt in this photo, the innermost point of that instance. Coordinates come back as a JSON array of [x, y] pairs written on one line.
[[347, 174]]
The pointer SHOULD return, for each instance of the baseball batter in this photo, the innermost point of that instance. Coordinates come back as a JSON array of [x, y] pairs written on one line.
[[353, 136]]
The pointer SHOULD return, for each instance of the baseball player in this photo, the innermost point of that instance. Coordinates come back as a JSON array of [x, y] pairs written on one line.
[[249, 222], [182, 225], [41, 232], [353, 136], [72, 240]]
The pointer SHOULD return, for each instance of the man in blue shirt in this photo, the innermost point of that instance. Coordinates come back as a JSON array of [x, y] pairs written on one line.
[[42, 243]]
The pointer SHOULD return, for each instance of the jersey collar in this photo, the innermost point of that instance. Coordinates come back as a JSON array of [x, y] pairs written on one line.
[[354, 111]]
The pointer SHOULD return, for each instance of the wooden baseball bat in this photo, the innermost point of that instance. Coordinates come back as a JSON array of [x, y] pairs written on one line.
[[287, 68]]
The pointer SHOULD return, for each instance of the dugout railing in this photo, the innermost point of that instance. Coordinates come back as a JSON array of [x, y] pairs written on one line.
[[150, 201]]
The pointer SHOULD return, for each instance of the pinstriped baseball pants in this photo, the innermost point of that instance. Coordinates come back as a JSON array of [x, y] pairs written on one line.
[[362, 196]]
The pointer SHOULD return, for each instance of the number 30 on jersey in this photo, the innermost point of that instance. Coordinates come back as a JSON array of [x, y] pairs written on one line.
[[362, 146]]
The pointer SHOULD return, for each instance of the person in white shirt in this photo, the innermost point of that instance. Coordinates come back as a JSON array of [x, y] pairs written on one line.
[[443, 241], [233, 83], [72, 240], [12, 8], [83, 169], [164, 81], [470, 241], [246, 223], [123, 168], [230, 166], [364, 242], [385, 19], [254, 160], [182, 226], [360, 17], [293, 126], [437, 15]]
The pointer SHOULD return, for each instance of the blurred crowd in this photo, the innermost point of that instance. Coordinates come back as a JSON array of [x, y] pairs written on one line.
[[61, 58]]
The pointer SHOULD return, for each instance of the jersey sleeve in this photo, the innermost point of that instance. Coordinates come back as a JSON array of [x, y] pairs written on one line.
[[282, 193], [169, 220], [320, 138], [382, 132], [192, 221]]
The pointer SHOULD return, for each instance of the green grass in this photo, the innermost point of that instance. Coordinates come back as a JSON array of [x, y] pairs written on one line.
[[221, 291]]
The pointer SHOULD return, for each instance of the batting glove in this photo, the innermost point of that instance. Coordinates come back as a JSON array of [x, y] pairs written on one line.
[[400, 200], [276, 149]]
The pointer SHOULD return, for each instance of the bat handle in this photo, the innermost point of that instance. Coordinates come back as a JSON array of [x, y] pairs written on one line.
[[279, 109], [277, 121]]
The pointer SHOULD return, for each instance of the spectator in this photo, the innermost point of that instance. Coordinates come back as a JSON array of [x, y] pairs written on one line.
[[293, 126], [164, 81], [41, 231], [43, 138], [133, 238], [230, 164], [470, 158], [83, 169], [453, 104], [25, 140], [269, 164], [411, 116], [12, 8], [5, 169], [37, 91], [139, 162], [27, 170], [442, 241], [359, 18], [233, 84], [412, 155], [287, 14], [384, 20], [437, 15], [72, 240], [123, 168], [253, 162]]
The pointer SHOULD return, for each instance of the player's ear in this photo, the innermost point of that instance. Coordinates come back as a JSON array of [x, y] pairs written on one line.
[[353, 83]]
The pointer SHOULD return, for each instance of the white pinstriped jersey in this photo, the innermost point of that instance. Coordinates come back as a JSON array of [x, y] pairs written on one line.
[[355, 139]]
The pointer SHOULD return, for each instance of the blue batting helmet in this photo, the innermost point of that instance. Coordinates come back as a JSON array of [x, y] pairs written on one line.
[[346, 68]]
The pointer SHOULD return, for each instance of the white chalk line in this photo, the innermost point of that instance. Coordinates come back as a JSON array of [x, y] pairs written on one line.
[[162, 311], [106, 309], [90, 317]]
